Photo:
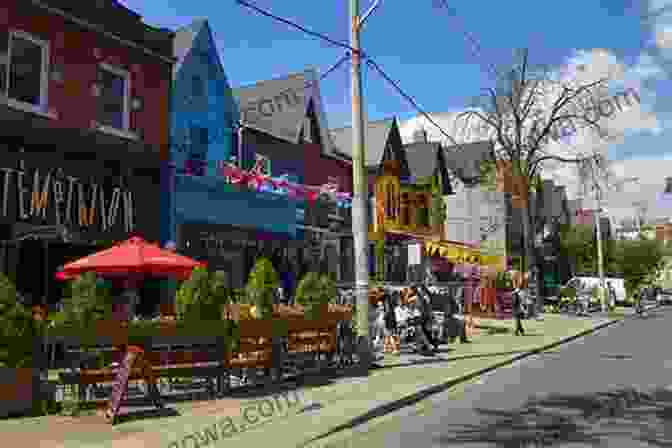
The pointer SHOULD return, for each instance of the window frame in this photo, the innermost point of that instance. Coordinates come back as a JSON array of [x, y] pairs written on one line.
[[40, 108], [126, 119]]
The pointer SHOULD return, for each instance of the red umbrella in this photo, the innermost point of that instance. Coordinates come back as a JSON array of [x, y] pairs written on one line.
[[133, 256]]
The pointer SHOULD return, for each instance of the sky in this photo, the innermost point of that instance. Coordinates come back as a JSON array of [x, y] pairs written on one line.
[[429, 51]]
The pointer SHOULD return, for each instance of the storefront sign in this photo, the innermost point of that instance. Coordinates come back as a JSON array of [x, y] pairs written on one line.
[[75, 203]]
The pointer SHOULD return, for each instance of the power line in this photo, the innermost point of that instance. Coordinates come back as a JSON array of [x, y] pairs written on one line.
[[352, 50], [476, 45], [410, 99], [296, 25], [329, 71]]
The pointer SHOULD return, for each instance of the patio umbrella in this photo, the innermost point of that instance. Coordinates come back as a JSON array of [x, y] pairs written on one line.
[[133, 256]]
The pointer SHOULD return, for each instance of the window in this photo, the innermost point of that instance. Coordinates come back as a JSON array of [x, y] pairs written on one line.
[[23, 68], [113, 100]]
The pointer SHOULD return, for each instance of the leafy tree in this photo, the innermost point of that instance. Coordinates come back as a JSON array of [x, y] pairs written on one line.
[[526, 110], [261, 287], [577, 242], [639, 261]]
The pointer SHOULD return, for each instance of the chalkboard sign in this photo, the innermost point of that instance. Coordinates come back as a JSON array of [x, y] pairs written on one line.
[[120, 385]]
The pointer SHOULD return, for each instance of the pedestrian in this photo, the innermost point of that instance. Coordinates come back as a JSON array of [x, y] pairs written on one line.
[[379, 330], [454, 327], [391, 340], [612, 294], [422, 343], [518, 311], [426, 315]]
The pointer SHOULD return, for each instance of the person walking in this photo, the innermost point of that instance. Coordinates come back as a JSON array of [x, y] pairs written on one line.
[[518, 311], [454, 326], [422, 342], [391, 341], [426, 315]]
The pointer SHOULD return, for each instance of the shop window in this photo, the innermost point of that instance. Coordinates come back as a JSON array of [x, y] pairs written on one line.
[[114, 98], [24, 63]]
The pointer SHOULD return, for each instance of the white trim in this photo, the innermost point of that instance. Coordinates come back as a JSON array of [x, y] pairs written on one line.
[[99, 29], [126, 75], [27, 107], [40, 108]]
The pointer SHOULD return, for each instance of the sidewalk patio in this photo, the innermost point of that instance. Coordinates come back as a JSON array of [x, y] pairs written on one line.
[[337, 400]]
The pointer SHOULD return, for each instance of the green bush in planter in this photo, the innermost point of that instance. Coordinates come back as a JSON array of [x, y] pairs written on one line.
[[568, 292], [87, 301], [202, 296], [261, 287], [17, 328], [314, 292]]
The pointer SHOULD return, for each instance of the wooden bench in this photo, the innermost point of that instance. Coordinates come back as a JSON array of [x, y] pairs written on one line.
[[200, 357]]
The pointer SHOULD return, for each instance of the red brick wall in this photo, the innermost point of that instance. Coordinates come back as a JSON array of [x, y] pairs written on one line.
[[73, 47]]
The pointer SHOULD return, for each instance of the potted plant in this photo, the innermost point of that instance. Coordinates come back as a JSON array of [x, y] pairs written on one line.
[[18, 330], [313, 293], [261, 288]]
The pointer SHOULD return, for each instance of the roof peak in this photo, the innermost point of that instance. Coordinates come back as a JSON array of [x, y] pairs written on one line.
[[277, 78], [370, 122]]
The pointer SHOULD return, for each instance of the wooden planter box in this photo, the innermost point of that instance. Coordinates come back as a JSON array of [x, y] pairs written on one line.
[[16, 391]]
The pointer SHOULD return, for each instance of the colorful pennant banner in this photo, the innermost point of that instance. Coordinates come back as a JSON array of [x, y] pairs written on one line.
[[277, 185]]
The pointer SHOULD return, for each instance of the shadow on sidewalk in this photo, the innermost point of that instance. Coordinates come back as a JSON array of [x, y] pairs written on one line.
[[558, 419], [439, 360]]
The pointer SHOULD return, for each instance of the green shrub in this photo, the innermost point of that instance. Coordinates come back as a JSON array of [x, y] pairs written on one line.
[[201, 296], [87, 301], [261, 287], [314, 292], [17, 328]]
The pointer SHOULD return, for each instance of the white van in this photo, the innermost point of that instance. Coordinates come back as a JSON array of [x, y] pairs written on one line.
[[585, 285]]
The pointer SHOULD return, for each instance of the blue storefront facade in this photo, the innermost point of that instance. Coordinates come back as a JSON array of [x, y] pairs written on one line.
[[204, 115]]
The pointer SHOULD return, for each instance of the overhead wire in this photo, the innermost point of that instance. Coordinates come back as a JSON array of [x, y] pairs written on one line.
[[368, 59], [296, 25], [476, 45]]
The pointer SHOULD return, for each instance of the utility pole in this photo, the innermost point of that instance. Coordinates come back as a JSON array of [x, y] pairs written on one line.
[[600, 260], [360, 228]]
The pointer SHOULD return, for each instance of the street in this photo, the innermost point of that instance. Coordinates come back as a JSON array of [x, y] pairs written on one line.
[[608, 389]]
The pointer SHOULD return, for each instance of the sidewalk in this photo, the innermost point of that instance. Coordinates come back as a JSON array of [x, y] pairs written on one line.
[[337, 403]]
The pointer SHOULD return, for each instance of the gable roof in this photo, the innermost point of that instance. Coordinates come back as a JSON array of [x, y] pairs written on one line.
[[184, 41], [375, 138], [465, 160], [279, 106], [422, 158]]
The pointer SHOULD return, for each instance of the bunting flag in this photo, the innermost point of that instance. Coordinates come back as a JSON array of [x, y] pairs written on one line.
[[256, 179]]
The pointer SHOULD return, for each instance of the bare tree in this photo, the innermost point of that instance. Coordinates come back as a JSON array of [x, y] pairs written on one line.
[[526, 116]]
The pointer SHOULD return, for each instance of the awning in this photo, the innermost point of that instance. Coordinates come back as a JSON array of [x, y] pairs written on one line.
[[456, 253]]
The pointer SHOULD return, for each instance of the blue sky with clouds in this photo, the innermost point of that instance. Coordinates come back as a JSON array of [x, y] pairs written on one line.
[[422, 45]]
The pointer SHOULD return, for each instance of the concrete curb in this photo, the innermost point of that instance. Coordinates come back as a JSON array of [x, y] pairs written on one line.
[[420, 395]]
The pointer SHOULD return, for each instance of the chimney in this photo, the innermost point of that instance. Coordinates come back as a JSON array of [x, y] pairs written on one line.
[[420, 136], [668, 185]]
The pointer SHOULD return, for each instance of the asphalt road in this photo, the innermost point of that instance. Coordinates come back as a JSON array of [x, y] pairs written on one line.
[[609, 389]]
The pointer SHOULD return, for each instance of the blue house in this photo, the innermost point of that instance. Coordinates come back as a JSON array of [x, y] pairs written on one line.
[[203, 113]]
